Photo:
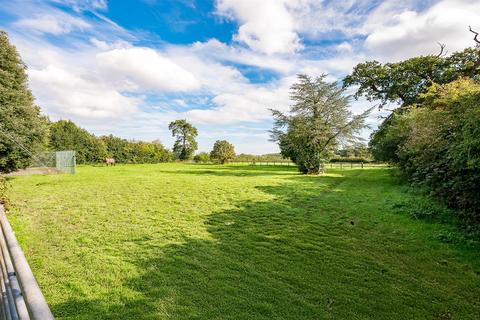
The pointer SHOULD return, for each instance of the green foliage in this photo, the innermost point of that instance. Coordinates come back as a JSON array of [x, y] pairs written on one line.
[[117, 148], [439, 145], [23, 129], [65, 135], [260, 158], [185, 144], [317, 123], [202, 157], [404, 81], [124, 151], [147, 152], [357, 152], [222, 152], [3, 190], [391, 134]]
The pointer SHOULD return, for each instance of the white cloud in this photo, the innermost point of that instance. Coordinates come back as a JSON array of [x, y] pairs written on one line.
[[344, 47], [63, 93], [82, 5], [249, 103], [147, 68], [266, 25], [55, 24], [219, 51], [395, 35]]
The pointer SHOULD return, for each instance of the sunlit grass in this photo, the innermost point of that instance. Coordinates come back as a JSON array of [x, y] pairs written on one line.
[[174, 241]]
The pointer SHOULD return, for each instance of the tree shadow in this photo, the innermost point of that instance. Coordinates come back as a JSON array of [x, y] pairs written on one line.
[[301, 255], [234, 170]]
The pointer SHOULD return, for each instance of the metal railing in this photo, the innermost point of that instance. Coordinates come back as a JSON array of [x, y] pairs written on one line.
[[21, 297]]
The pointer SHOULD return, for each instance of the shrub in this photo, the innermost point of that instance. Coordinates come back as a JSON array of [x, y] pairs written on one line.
[[440, 148], [202, 157]]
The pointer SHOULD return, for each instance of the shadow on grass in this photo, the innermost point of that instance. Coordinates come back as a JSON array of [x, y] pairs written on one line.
[[234, 170], [302, 255]]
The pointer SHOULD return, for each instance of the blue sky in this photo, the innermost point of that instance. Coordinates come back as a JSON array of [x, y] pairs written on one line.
[[130, 67]]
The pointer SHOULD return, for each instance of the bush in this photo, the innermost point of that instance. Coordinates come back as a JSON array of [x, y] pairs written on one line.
[[202, 157], [440, 145]]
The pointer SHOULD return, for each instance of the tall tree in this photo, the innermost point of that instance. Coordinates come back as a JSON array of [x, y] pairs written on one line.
[[22, 128], [223, 151], [404, 83], [185, 144], [318, 121]]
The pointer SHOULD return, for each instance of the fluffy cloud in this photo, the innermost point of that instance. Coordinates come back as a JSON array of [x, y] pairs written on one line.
[[248, 103], [395, 35], [62, 93], [147, 68], [266, 25]]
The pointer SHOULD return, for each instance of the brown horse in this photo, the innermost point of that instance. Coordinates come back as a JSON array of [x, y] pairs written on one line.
[[110, 161]]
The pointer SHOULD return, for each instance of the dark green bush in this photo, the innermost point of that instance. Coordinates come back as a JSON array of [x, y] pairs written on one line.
[[440, 145]]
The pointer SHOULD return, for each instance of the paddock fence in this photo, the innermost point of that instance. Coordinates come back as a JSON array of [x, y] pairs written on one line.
[[21, 297]]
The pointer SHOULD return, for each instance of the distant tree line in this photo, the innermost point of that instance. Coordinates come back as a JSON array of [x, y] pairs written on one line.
[[65, 135], [433, 135]]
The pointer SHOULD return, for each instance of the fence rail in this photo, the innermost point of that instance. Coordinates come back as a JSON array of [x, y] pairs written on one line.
[[21, 297]]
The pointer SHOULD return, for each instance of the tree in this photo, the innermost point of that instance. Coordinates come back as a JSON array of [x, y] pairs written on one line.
[[65, 135], [185, 144], [23, 130], [404, 83], [318, 121], [223, 151]]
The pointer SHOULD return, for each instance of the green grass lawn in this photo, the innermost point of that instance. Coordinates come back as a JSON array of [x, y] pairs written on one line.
[[175, 241]]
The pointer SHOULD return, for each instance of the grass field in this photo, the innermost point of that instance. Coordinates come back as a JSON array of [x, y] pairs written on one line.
[[174, 241]]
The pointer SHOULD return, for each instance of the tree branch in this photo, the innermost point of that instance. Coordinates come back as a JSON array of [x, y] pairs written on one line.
[[442, 47], [475, 38]]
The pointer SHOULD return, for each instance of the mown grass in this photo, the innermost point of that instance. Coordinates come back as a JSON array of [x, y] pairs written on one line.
[[174, 241]]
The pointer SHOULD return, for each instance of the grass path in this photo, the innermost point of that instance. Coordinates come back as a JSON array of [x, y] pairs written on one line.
[[173, 241]]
